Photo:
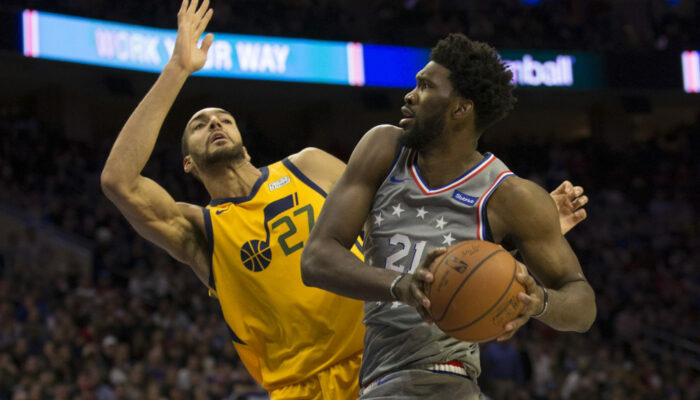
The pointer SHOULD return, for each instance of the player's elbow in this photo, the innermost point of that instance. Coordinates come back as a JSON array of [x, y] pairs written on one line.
[[109, 183], [310, 257], [589, 311], [113, 185]]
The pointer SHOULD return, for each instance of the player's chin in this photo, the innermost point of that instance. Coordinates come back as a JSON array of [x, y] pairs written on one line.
[[406, 123]]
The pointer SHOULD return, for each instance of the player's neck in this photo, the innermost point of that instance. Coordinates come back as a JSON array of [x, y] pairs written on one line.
[[231, 180], [447, 160]]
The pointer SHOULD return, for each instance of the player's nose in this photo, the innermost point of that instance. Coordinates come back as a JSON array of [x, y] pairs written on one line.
[[409, 98], [214, 122]]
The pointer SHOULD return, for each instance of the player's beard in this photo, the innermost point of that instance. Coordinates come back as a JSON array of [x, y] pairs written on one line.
[[423, 133], [230, 154]]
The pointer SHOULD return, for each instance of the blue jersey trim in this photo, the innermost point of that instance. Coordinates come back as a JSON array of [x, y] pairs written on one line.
[[302, 177], [414, 161], [358, 245], [210, 238], [236, 200]]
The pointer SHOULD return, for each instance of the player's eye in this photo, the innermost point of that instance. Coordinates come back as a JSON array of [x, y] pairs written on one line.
[[199, 126]]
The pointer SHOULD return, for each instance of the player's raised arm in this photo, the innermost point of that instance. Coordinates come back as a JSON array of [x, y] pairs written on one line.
[[523, 213], [327, 262], [147, 206]]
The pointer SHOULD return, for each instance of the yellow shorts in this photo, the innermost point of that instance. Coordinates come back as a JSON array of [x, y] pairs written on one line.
[[338, 382]]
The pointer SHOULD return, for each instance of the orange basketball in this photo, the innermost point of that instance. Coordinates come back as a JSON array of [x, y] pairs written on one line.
[[474, 292]]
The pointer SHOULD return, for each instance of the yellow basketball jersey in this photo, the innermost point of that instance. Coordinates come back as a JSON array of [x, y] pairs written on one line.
[[285, 332]]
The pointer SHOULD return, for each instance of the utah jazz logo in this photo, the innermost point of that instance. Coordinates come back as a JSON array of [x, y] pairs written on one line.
[[256, 254]]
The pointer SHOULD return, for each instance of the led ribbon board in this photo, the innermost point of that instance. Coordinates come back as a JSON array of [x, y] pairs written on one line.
[[690, 61], [110, 44], [117, 45], [392, 66]]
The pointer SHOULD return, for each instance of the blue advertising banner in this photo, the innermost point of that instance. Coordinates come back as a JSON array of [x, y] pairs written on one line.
[[393, 66], [118, 45]]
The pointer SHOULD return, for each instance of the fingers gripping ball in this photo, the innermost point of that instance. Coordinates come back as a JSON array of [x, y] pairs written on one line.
[[474, 292]]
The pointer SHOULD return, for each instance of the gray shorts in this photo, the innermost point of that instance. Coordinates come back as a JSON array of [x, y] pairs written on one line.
[[422, 384]]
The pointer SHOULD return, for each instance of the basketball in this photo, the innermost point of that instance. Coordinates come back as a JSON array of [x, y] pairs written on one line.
[[474, 291]]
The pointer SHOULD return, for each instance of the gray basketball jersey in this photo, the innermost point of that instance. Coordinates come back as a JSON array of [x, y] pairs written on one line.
[[407, 220]]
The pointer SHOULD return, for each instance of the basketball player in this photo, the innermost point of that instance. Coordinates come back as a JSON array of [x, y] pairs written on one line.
[[418, 188], [298, 342]]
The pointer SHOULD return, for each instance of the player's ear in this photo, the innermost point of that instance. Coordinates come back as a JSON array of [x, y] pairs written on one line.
[[188, 164], [463, 108]]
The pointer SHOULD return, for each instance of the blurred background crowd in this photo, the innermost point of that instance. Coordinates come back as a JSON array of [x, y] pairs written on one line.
[[139, 325], [552, 24], [90, 311]]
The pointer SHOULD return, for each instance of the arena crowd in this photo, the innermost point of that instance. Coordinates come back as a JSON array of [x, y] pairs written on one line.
[[138, 325]]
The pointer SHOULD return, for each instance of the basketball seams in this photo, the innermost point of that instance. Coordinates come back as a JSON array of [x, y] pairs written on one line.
[[496, 303], [456, 291]]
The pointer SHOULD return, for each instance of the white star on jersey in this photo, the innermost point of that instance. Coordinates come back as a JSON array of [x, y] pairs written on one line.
[[378, 219], [440, 223], [395, 304], [448, 239], [421, 213], [397, 210]]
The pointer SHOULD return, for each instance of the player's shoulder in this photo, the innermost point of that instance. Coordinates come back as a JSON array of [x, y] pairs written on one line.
[[383, 135], [379, 142], [310, 156], [523, 203], [521, 190], [320, 167], [379, 145], [313, 161]]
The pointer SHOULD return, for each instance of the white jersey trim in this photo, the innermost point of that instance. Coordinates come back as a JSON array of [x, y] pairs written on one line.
[[415, 173]]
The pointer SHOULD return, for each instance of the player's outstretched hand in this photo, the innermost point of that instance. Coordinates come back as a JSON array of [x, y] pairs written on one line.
[[533, 302], [570, 201], [191, 23], [410, 289]]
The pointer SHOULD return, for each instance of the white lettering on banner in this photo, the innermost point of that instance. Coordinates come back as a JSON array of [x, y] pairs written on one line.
[[121, 40], [127, 46], [530, 72], [105, 45], [256, 57]]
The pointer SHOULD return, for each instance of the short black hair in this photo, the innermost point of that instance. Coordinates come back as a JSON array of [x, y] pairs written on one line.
[[478, 74]]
